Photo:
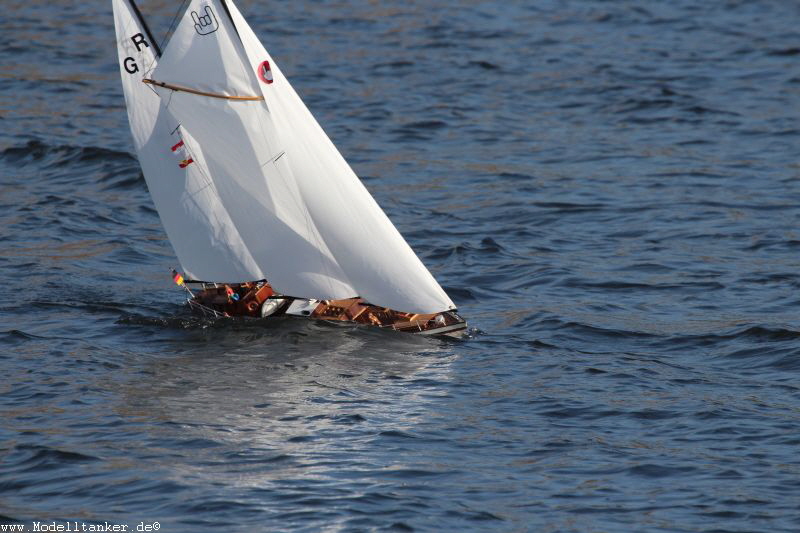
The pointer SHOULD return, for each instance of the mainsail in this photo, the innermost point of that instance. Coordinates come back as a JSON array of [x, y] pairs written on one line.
[[262, 192], [204, 238]]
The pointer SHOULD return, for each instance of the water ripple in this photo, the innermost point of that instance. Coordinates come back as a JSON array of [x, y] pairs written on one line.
[[609, 195]]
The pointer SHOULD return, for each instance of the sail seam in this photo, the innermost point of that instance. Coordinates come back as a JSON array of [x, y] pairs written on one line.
[[181, 88]]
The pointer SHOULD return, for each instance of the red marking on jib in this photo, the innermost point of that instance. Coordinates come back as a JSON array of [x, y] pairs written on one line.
[[265, 72]]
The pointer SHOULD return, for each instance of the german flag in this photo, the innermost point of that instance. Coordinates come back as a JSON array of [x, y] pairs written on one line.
[[177, 278]]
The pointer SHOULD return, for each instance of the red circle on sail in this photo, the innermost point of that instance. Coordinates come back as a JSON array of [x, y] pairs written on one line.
[[265, 72]]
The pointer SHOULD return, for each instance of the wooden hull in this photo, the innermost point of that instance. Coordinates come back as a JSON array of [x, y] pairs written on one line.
[[259, 300]]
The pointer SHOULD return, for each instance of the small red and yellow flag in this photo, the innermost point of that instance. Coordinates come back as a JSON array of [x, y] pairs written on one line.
[[179, 149], [177, 278]]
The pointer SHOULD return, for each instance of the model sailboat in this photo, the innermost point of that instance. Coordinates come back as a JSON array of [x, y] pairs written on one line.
[[256, 200]]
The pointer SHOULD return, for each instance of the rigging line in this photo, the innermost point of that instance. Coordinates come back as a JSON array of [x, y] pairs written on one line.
[[201, 93], [149, 68], [147, 72], [172, 24]]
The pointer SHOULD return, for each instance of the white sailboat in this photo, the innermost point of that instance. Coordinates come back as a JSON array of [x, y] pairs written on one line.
[[255, 198]]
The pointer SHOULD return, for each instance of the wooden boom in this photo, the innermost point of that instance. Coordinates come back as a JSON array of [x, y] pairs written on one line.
[[201, 93]]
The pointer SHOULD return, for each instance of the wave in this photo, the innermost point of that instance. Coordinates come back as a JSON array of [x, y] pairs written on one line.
[[36, 151], [66, 164]]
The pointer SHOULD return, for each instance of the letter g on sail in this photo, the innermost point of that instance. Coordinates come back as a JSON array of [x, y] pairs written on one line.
[[206, 23], [130, 65]]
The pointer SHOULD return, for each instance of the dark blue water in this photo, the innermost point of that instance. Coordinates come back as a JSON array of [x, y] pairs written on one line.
[[610, 191]]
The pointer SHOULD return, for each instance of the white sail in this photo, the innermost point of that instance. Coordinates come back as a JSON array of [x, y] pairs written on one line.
[[243, 154], [205, 241], [372, 253], [294, 205]]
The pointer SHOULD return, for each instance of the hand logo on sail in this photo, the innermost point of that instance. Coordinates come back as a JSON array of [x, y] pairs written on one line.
[[205, 24]]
